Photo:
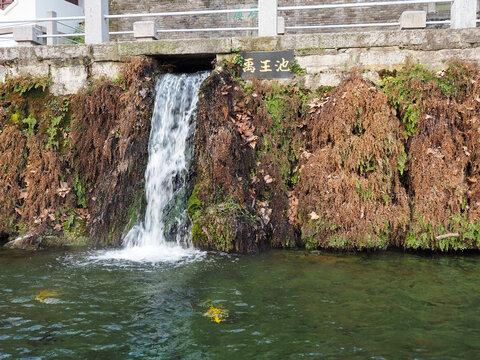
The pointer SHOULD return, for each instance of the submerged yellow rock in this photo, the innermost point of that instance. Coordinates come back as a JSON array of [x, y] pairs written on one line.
[[47, 296], [216, 314]]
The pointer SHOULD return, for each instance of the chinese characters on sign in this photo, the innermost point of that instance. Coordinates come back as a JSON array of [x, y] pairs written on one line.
[[267, 64], [247, 17]]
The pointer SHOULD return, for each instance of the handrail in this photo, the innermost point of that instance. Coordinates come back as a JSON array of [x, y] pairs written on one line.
[[42, 20], [209, 29], [182, 13], [438, 22], [332, 26], [59, 35], [364, 4], [339, 26]]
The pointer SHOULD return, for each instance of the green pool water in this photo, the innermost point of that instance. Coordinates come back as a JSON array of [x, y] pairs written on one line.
[[277, 305]]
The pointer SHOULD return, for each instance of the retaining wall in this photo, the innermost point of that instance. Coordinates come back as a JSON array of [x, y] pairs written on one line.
[[326, 57]]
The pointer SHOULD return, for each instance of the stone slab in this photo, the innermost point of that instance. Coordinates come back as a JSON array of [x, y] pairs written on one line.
[[27, 35], [145, 30], [413, 20]]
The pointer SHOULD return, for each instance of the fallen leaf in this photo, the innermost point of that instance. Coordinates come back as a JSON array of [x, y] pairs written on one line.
[[23, 194], [314, 216], [63, 190], [268, 179]]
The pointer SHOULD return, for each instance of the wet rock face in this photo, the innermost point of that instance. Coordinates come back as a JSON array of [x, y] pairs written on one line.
[[222, 206], [359, 167], [27, 242], [245, 162]]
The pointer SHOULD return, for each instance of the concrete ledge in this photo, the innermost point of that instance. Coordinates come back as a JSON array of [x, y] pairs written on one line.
[[434, 39]]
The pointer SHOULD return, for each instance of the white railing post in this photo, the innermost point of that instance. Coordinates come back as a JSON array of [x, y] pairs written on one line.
[[463, 14], [52, 28], [96, 25], [267, 17]]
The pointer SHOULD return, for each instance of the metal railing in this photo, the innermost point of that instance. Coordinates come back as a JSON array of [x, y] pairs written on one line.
[[97, 19], [359, 5], [186, 13], [47, 31], [270, 28], [43, 20]]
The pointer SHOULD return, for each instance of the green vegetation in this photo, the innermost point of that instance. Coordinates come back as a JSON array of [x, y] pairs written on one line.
[[79, 192], [281, 144], [31, 122], [405, 90], [402, 160], [457, 235], [234, 64], [25, 84], [296, 68], [80, 29], [215, 225], [52, 132], [307, 50]]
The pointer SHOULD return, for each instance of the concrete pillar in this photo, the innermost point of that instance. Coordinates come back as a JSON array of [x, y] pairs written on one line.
[[267, 17], [145, 30], [413, 20], [52, 28], [27, 35], [96, 26], [463, 14]]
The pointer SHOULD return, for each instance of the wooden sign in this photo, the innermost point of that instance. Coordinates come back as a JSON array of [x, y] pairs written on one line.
[[267, 64]]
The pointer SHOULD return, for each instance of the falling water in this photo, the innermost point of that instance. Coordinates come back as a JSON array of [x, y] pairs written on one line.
[[165, 177]]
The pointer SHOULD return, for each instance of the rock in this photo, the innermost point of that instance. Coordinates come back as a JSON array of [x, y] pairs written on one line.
[[27, 242]]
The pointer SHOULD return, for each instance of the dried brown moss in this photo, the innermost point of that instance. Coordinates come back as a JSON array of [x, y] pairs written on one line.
[[85, 162], [349, 192], [110, 134], [12, 163], [34, 168], [47, 179], [379, 166], [443, 168]]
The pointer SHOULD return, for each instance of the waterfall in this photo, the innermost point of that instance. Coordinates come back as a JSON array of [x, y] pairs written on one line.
[[173, 123]]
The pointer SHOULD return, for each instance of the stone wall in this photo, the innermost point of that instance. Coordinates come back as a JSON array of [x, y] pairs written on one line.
[[326, 57], [292, 18]]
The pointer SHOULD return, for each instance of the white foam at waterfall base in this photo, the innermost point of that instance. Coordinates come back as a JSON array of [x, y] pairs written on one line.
[[173, 117], [150, 254]]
